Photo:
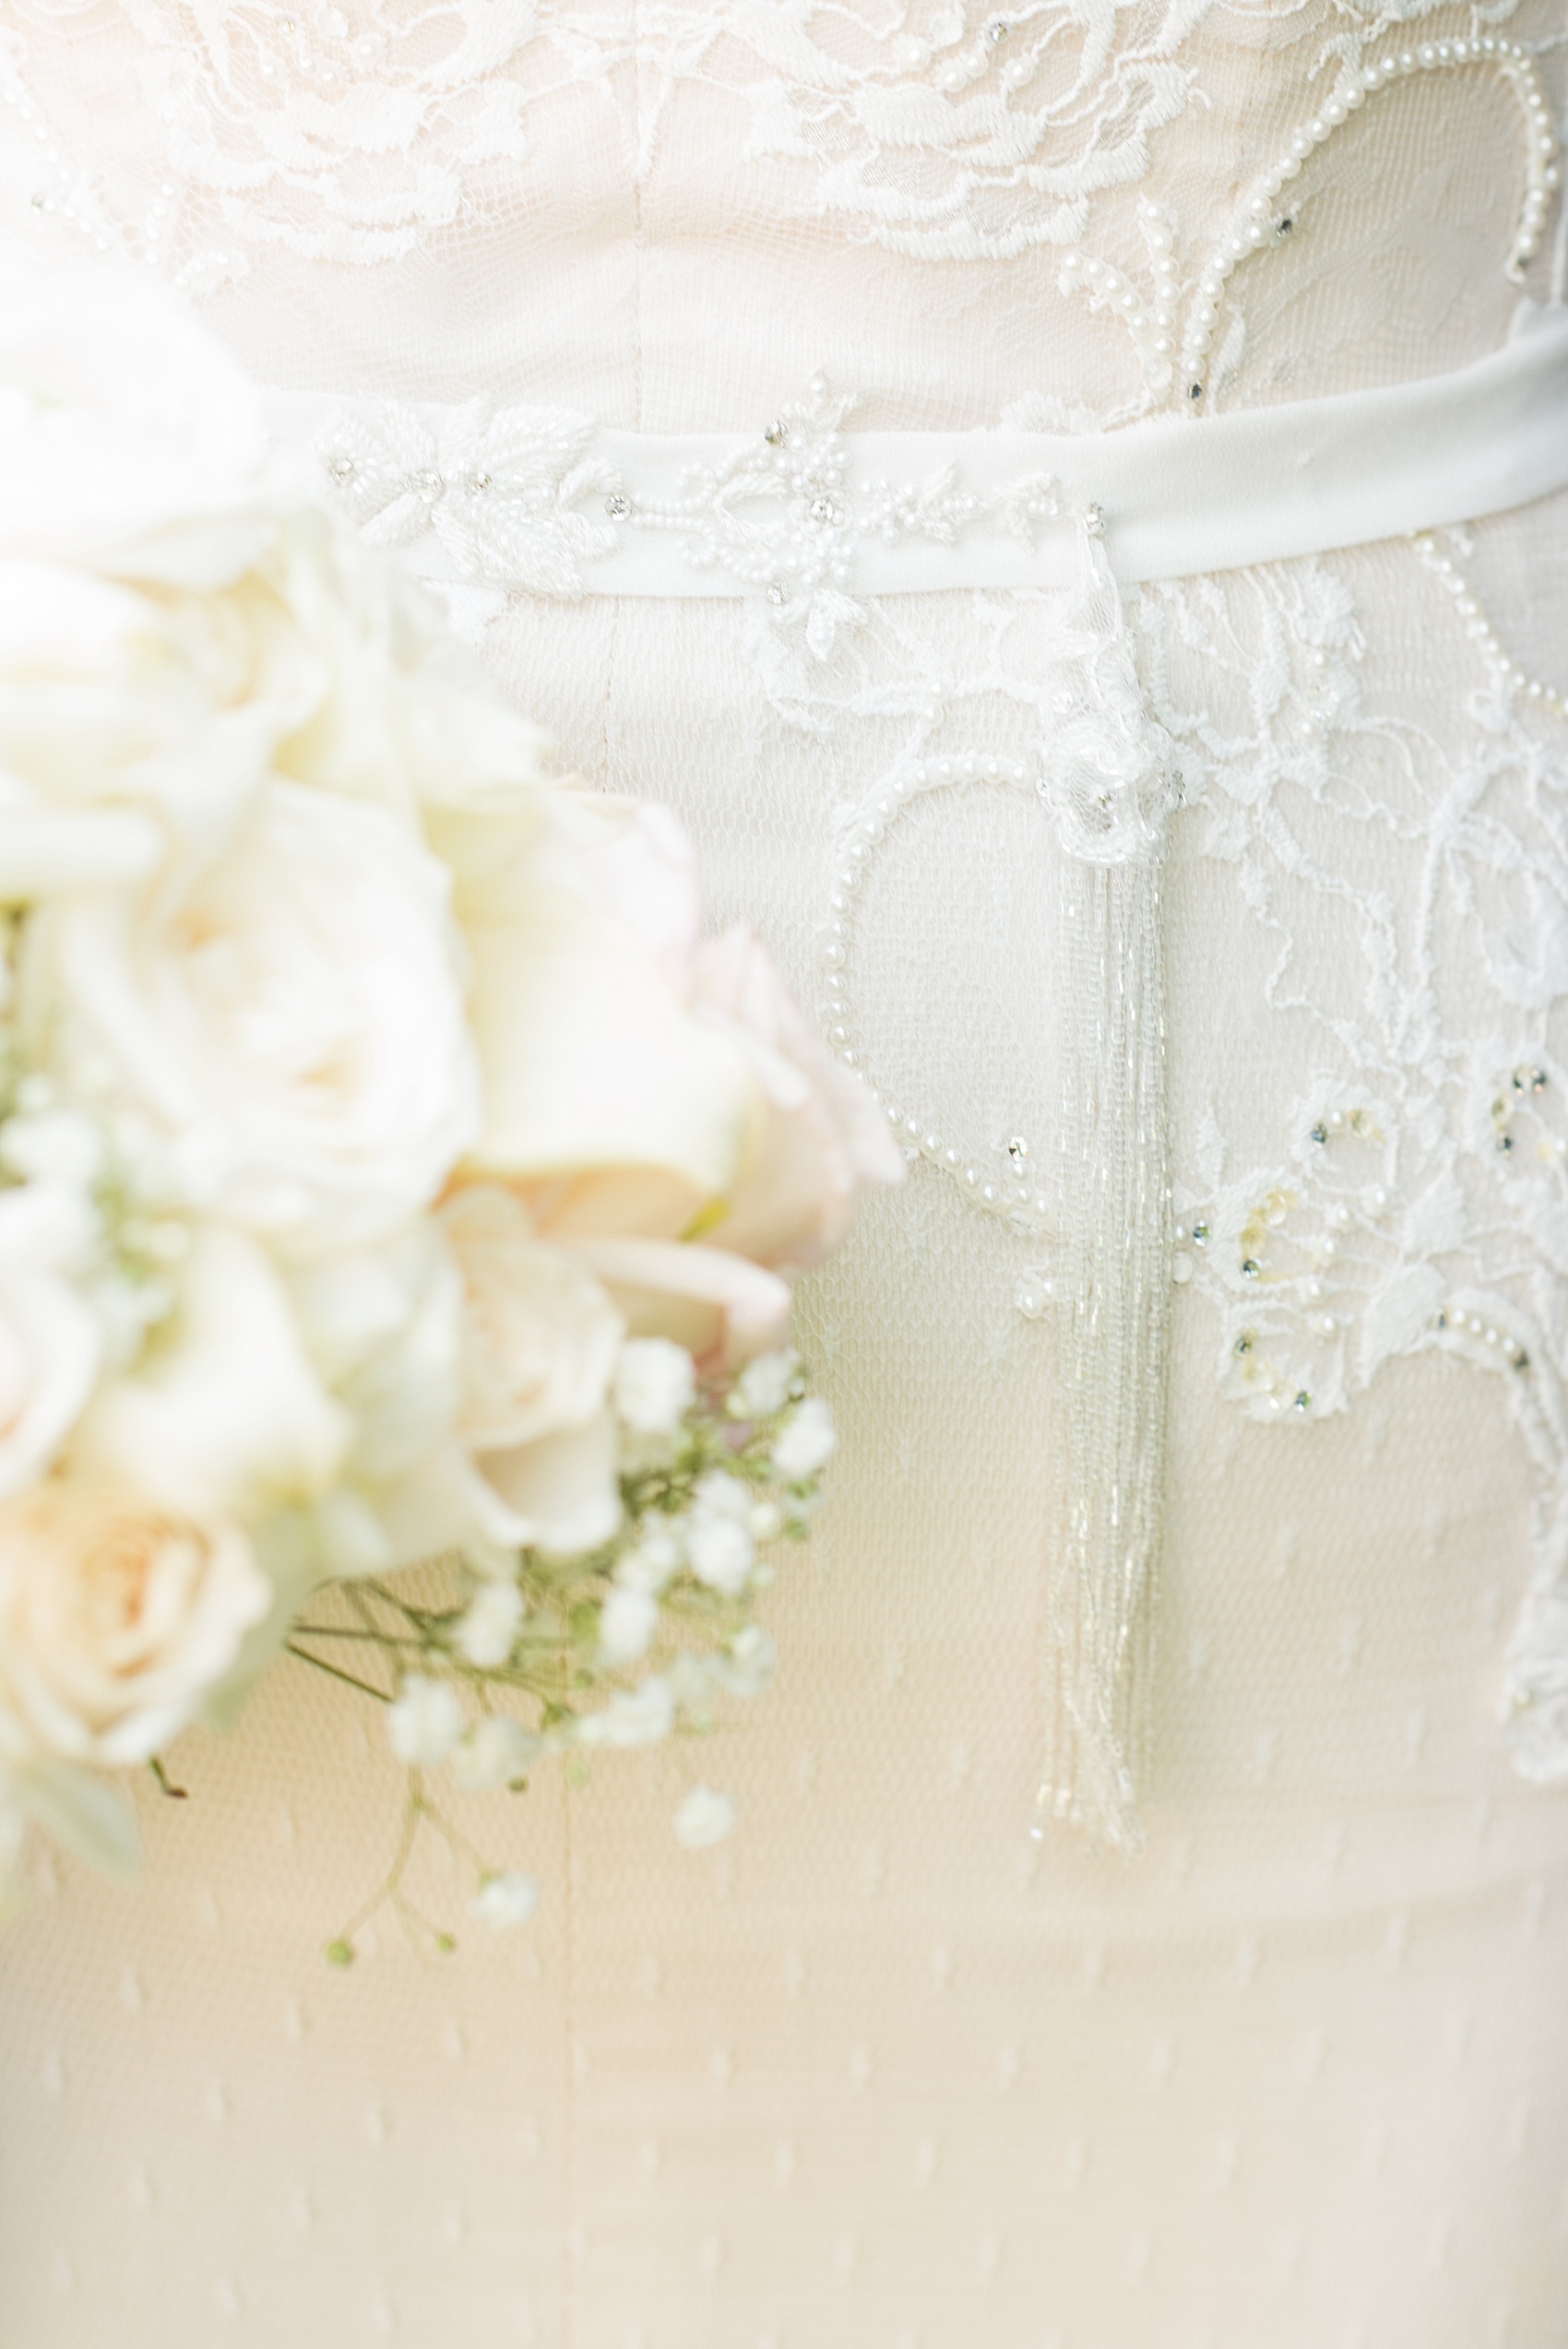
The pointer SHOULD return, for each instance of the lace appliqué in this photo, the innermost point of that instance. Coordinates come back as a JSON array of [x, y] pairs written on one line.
[[787, 517], [962, 133], [1420, 1201], [500, 492], [343, 133], [522, 499]]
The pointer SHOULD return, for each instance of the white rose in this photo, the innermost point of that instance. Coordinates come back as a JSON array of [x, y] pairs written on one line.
[[129, 438], [394, 710], [562, 1491], [622, 1108], [50, 1342], [655, 1384], [115, 1620], [718, 1306], [224, 1415], [293, 1017], [618, 1109], [539, 1339], [383, 1328], [126, 721]]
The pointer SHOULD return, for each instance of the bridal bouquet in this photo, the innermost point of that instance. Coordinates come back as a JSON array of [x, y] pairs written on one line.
[[389, 1172]]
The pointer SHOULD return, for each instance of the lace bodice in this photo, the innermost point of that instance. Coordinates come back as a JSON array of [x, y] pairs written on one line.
[[480, 238], [517, 176]]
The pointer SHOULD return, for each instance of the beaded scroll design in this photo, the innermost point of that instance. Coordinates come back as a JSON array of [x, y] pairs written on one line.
[[1178, 351]]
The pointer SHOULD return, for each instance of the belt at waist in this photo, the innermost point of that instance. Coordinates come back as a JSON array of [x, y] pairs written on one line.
[[545, 501]]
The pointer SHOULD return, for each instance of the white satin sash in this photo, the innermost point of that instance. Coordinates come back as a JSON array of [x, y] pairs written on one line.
[[540, 500]]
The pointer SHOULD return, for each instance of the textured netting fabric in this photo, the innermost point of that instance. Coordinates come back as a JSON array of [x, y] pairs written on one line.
[[884, 2072]]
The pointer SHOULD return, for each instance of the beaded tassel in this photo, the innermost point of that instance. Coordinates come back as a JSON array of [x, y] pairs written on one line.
[[1108, 782]]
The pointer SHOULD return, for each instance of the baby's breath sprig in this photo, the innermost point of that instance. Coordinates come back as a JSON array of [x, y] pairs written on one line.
[[488, 1665]]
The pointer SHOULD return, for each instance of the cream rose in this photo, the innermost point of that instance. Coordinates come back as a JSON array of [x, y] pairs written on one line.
[[392, 709], [115, 1620], [291, 1016], [621, 1118], [612, 1106], [542, 1340], [50, 1342], [541, 1337], [224, 1415], [128, 722], [386, 1326], [130, 440], [823, 1142]]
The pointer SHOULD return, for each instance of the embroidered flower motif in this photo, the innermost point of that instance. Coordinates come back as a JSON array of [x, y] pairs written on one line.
[[343, 133], [500, 491]]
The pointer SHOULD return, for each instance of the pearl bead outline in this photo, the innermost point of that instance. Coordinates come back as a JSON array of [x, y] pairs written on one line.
[[1515, 681], [1151, 324], [1257, 222], [1016, 1203]]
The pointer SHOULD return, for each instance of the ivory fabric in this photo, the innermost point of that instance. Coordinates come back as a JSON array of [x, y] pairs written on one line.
[[882, 2071]]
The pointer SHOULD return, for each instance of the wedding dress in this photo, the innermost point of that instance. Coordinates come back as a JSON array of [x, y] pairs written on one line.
[[553, 292]]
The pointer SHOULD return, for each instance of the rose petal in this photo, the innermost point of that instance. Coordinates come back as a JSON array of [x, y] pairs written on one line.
[[562, 1491], [719, 1307]]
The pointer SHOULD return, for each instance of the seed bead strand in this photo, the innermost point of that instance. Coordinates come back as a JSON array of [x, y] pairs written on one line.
[[1483, 635], [1259, 221], [1015, 1200]]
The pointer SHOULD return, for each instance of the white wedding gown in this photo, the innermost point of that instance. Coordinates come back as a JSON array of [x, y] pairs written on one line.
[[886, 2071]]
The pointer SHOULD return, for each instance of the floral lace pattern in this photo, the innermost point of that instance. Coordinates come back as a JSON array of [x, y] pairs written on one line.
[[343, 133], [959, 133], [1419, 1196], [350, 132], [1406, 899]]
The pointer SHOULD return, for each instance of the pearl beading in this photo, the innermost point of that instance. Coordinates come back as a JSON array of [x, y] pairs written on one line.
[[1258, 220], [531, 498], [1006, 1195], [802, 465], [1513, 680], [59, 191], [1152, 325], [1467, 1331]]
